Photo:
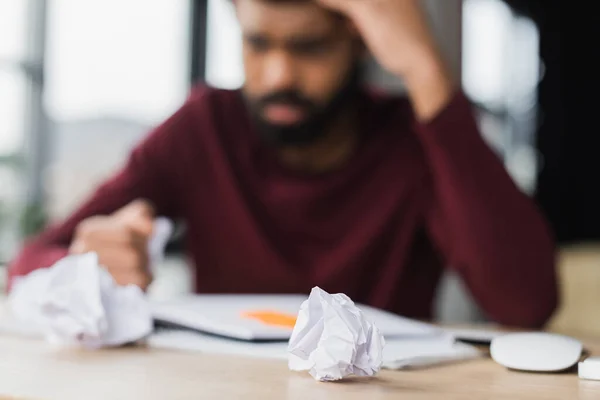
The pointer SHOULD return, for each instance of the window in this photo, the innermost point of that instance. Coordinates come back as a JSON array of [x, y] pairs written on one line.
[[224, 65], [486, 27], [13, 30], [13, 91], [117, 58], [501, 71], [15, 85], [114, 70]]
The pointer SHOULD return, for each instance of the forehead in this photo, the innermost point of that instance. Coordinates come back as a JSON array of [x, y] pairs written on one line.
[[281, 17]]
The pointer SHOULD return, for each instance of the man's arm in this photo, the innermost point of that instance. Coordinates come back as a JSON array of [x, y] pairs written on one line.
[[489, 231], [145, 176]]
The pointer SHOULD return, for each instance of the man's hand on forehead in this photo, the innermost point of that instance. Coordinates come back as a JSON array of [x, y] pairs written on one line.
[[399, 37]]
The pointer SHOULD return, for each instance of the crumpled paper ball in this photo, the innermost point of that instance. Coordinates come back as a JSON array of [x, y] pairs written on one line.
[[76, 302], [332, 339]]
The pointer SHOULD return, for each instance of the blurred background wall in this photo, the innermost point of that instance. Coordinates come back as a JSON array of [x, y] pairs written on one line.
[[82, 81]]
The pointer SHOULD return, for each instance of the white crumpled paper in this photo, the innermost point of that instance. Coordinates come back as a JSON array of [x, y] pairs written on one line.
[[332, 339], [161, 232], [77, 302]]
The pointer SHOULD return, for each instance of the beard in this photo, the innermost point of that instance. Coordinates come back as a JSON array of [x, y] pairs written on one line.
[[318, 118]]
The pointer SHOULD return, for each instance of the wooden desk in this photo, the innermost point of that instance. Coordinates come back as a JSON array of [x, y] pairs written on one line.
[[31, 370]]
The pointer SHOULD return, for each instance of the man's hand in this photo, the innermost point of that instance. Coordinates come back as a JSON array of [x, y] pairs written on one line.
[[397, 34], [120, 240]]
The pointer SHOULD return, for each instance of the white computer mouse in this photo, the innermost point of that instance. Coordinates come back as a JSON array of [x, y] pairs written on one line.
[[536, 351]]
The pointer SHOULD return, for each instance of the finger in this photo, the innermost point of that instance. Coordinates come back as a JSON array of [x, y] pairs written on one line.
[[108, 231], [138, 215], [141, 280], [117, 260], [139, 207], [123, 260], [77, 247]]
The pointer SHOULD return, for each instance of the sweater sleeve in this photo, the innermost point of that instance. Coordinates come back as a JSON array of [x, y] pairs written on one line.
[[490, 232], [147, 174]]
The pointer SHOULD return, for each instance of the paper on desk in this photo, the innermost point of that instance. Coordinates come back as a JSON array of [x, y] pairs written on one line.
[[332, 339], [77, 302], [398, 353], [192, 341], [426, 352], [416, 350]]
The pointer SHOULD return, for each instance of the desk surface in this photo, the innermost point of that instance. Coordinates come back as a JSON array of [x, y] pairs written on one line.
[[31, 370]]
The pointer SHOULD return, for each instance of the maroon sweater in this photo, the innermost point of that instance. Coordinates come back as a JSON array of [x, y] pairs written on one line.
[[416, 197]]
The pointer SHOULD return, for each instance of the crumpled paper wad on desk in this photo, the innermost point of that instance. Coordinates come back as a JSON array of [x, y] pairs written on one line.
[[332, 339], [77, 302]]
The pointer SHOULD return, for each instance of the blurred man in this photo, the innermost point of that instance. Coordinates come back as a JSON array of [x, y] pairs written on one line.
[[305, 178]]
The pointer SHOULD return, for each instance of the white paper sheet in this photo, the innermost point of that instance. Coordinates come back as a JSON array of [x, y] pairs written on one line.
[[224, 314], [189, 341], [425, 352], [397, 353]]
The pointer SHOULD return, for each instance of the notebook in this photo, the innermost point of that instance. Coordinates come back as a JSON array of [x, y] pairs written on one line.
[[399, 353], [265, 317]]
